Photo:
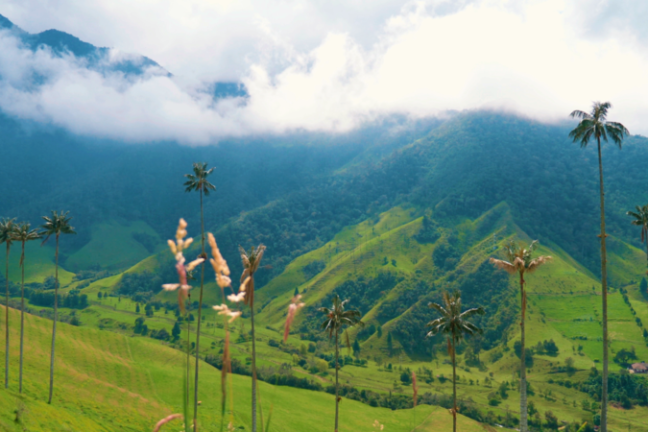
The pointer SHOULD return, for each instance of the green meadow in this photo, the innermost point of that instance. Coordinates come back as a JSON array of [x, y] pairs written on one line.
[[108, 376]]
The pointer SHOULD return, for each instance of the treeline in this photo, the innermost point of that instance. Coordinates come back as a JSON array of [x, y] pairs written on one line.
[[73, 300], [43, 295], [623, 388]]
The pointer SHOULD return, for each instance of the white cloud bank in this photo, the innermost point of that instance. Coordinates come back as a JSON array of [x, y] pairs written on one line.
[[526, 57]]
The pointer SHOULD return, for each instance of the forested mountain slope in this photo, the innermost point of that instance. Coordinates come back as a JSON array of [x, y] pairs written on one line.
[[462, 169]]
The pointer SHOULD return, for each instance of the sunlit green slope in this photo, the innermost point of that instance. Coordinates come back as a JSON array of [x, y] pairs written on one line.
[[564, 305], [107, 382], [116, 245], [39, 263]]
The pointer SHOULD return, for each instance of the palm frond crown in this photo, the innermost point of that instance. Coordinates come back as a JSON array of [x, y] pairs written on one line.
[[250, 261], [453, 321], [595, 125], [57, 223], [24, 233], [641, 220], [519, 259], [337, 317], [7, 228], [197, 181]]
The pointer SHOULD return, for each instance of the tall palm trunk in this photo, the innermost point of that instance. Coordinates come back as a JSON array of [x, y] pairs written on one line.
[[56, 286], [523, 387], [7, 320], [337, 367], [454, 387], [254, 376], [22, 317], [604, 392], [200, 303]]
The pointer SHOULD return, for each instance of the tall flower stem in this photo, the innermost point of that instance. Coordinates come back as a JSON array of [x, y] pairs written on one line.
[[187, 391], [254, 389]]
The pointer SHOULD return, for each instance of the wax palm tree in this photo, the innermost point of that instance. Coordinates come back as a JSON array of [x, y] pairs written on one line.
[[595, 125], [455, 324], [335, 319], [23, 234], [55, 225], [197, 182], [251, 261], [521, 261], [7, 228], [641, 220]]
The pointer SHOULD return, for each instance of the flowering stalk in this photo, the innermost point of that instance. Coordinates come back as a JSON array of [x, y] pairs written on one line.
[[184, 273], [295, 305], [222, 279], [165, 421]]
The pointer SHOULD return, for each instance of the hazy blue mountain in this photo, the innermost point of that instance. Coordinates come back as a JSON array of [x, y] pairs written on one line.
[[98, 58]]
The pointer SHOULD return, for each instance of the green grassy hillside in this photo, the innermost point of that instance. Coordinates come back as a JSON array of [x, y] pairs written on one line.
[[116, 245], [39, 263], [391, 266], [107, 382]]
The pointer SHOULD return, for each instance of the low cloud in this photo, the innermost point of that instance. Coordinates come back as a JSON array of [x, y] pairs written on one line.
[[423, 61]]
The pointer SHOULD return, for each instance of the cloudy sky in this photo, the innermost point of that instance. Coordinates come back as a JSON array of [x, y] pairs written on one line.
[[326, 65]]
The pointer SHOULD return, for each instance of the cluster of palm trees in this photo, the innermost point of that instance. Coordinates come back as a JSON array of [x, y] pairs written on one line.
[[10, 231]]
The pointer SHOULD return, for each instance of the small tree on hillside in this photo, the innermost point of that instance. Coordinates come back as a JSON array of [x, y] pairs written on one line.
[[595, 125], [55, 225], [455, 325], [7, 228], [23, 234], [521, 262], [197, 182], [251, 261], [641, 220], [336, 318]]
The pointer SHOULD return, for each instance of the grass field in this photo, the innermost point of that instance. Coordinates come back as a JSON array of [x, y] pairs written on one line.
[[113, 246], [39, 263], [107, 382], [564, 305]]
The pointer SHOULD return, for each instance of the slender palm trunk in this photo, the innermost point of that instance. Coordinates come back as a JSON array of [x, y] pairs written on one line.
[[604, 392], [254, 376], [523, 387], [604, 396], [454, 387], [337, 367], [7, 320], [200, 303], [56, 286], [22, 317]]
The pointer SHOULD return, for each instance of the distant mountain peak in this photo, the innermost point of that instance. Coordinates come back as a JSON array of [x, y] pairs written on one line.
[[5, 23], [60, 41], [99, 58]]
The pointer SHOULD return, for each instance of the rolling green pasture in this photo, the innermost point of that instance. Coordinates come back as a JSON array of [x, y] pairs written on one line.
[[564, 305], [107, 381], [39, 263], [113, 246]]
